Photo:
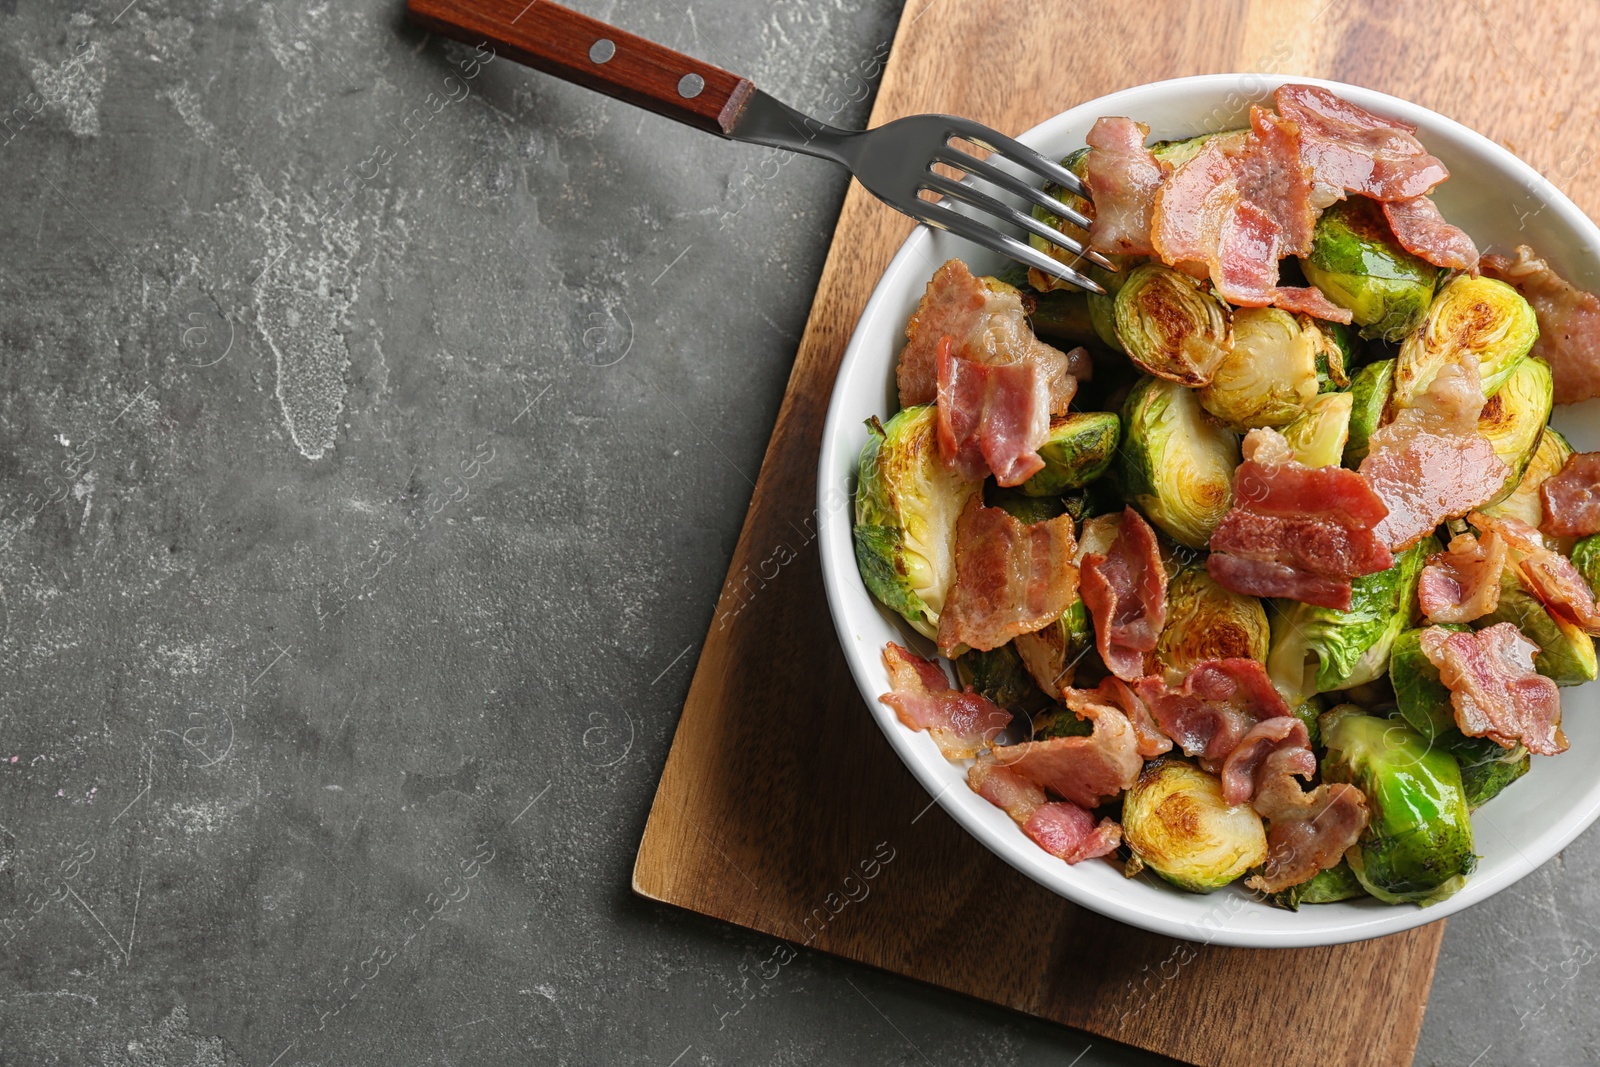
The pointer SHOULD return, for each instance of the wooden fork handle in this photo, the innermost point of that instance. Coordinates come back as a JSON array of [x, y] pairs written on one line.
[[587, 52]]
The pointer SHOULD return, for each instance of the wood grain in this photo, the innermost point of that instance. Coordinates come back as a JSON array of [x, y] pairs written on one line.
[[779, 785]]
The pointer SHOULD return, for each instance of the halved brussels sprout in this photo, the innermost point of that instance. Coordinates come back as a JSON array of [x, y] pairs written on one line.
[[1269, 375], [1515, 417], [1051, 655], [1357, 264], [1171, 325], [1566, 653], [1327, 886], [1586, 557], [1481, 316], [1320, 650], [1079, 449], [1175, 822], [907, 503], [1319, 436], [1370, 390], [1417, 847], [1176, 465], [1337, 352], [1524, 502], [1206, 621], [1000, 675]]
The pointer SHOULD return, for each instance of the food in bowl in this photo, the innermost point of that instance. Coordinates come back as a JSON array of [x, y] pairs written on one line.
[[1243, 578]]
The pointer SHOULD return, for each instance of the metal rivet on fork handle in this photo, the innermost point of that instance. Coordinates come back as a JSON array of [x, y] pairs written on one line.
[[690, 86], [602, 50]]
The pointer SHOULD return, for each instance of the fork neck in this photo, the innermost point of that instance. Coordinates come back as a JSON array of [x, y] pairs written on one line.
[[766, 120]]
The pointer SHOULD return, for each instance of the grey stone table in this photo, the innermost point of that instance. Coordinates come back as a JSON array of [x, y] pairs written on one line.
[[376, 425]]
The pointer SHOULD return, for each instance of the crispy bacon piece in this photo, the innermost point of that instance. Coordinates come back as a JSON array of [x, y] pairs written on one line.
[[1084, 770], [1352, 149], [1571, 499], [1242, 771], [961, 724], [1306, 832], [1494, 689], [1462, 583], [1569, 322], [1423, 232], [1060, 828], [1191, 207], [1122, 177], [1011, 578], [1431, 463], [987, 324], [1218, 703], [1549, 575], [991, 418], [1125, 590], [1296, 531], [1273, 176], [1149, 739]]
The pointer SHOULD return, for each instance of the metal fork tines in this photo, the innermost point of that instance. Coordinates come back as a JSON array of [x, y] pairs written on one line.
[[895, 163]]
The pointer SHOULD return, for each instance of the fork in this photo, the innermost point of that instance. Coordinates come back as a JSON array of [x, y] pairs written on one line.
[[894, 161]]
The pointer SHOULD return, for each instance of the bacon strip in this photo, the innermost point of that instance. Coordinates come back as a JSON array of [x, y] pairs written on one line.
[[1423, 232], [1569, 322], [1306, 832], [991, 418], [1431, 463], [1218, 703], [1571, 499], [987, 324], [1243, 774], [1462, 583], [1548, 575], [1011, 578], [961, 724], [1296, 531], [1350, 148], [1149, 739], [1061, 828], [1125, 590], [1122, 177], [1494, 689], [1084, 770]]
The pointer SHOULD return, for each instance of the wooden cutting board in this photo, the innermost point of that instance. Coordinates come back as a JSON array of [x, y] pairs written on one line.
[[780, 796]]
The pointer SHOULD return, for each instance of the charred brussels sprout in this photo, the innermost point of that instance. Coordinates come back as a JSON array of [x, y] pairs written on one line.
[[1319, 650], [1417, 848], [1052, 655], [907, 503], [1176, 466], [1515, 417], [1566, 653], [1175, 821], [1269, 375], [1369, 405], [1171, 325], [1329, 886], [1319, 436], [999, 675], [1206, 621], [1481, 317], [1586, 557], [1357, 264], [1079, 449], [1524, 502]]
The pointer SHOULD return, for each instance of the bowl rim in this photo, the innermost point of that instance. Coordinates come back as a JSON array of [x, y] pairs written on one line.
[[965, 806]]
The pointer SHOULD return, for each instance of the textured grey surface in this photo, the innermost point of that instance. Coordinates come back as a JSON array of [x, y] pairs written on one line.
[[369, 463]]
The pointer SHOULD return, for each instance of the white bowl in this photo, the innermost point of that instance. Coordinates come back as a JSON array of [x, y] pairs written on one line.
[[1496, 198]]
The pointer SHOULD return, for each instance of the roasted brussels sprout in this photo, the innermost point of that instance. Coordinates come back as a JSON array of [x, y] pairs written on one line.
[[1515, 417], [1206, 621], [1175, 822], [1171, 325], [1269, 375], [1049, 282], [1357, 264], [1062, 317], [1486, 779], [1000, 675], [1479, 316], [1319, 650], [1328, 886], [907, 503], [1417, 848], [1318, 437], [1022, 507], [1059, 722], [1586, 557], [1369, 405], [1175, 465], [1176, 153], [1310, 713], [1524, 503], [1079, 449], [1338, 352], [1566, 653], [1052, 655]]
